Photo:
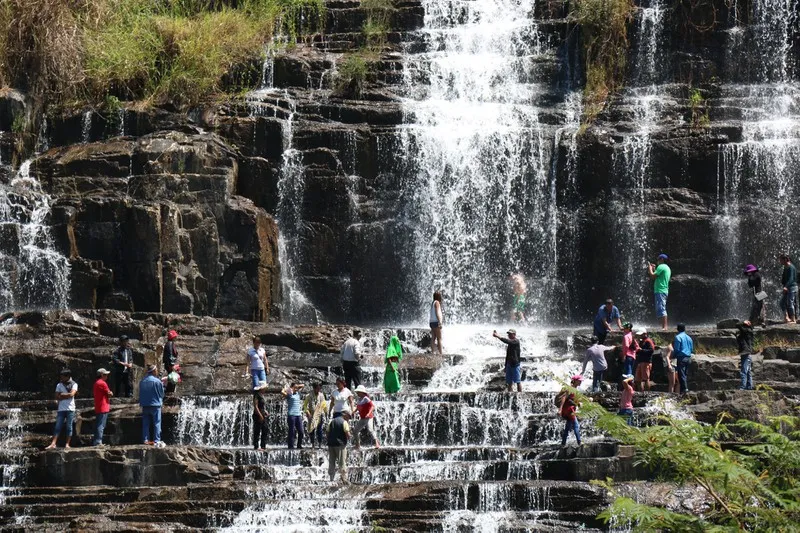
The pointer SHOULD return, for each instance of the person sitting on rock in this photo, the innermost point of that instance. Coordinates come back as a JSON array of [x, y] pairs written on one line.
[[170, 360], [102, 396], [629, 347], [314, 408], [151, 399], [294, 414], [596, 353], [681, 348], [65, 417], [260, 427], [644, 361], [257, 363], [366, 417], [122, 367], [338, 435], [745, 339], [513, 356], [568, 406], [626, 398]]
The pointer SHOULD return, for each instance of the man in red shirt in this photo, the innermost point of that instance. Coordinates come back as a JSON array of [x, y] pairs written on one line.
[[102, 405]]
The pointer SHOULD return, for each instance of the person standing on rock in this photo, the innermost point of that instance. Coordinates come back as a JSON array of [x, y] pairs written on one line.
[[629, 347], [122, 366], [314, 407], [626, 398], [65, 417], [338, 435], [342, 398], [596, 353], [351, 360], [745, 339], [682, 348], [567, 407], [151, 399], [366, 418], [644, 361], [257, 362], [294, 414], [102, 397], [391, 374], [436, 322], [758, 311], [170, 360], [513, 359], [260, 428], [789, 282], [660, 273], [607, 314]]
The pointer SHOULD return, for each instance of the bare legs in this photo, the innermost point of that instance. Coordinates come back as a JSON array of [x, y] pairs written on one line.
[[436, 340]]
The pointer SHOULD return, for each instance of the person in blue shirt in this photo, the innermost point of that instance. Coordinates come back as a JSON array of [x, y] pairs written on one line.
[[602, 321], [294, 414], [681, 350], [151, 398]]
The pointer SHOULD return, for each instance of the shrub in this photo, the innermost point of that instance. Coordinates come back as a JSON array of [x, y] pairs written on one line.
[[350, 76]]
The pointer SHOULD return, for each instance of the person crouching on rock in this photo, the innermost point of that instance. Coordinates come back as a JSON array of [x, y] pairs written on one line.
[[626, 398], [151, 398], [366, 418], [259, 418], [745, 339], [294, 414], [644, 361], [629, 347], [338, 435], [65, 417], [170, 360], [568, 406]]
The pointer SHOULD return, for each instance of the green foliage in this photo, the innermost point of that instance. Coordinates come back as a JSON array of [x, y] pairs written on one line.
[[699, 109], [18, 124], [752, 486], [604, 31], [351, 76], [376, 23]]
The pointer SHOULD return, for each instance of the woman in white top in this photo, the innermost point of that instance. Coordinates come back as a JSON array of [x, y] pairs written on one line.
[[436, 320], [342, 396], [259, 368]]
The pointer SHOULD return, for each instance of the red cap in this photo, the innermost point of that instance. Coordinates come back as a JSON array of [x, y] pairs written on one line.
[[172, 335]]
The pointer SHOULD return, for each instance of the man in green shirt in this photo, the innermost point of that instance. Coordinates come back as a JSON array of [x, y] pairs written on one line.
[[660, 273]]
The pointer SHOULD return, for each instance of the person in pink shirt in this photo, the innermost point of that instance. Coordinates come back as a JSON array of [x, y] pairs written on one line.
[[626, 398], [366, 417], [629, 347]]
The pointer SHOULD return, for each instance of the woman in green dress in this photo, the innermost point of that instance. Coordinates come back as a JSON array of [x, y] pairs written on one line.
[[391, 377]]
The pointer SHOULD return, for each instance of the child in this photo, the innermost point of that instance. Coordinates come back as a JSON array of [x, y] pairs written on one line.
[[366, 413], [294, 414], [568, 405], [626, 398]]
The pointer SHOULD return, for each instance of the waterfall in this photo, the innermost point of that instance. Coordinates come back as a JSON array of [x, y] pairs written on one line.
[[33, 274], [478, 198]]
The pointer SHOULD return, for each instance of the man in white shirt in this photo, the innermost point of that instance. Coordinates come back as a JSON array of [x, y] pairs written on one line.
[[65, 396], [351, 357]]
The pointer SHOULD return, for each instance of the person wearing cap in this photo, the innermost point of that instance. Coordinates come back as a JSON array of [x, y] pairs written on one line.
[[629, 347], [351, 357], [607, 314], [122, 367], [758, 311], [294, 414], [644, 361], [626, 398], [681, 350], [257, 363], [102, 405], [513, 357], [314, 408], [568, 406], [151, 398], [789, 298], [260, 426], [366, 416], [660, 273], [338, 435], [596, 353], [745, 339], [65, 416]]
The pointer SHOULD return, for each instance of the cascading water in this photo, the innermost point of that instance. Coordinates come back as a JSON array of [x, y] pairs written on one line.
[[32, 273], [479, 198]]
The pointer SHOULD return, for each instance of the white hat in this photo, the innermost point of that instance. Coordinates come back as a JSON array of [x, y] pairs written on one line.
[[641, 331], [102, 371], [361, 388], [627, 377]]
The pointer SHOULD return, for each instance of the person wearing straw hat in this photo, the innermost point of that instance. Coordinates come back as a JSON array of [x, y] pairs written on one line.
[[65, 396], [626, 398], [513, 356], [758, 311], [568, 406], [102, 396], [366, 417]]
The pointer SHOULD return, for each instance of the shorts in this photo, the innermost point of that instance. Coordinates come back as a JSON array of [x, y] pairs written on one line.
[[513, 374], [519, 303], [661, 305], [668, 367], [643, 372], [435, 325]]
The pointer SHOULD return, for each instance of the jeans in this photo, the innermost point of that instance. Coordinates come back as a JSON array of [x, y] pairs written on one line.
[[64, 418], [683, 362], [789, 302], [258, 375], [597, 377], [100, 420], [628, 413], [352, 373], [627, 365], [295, 428], [745, 370], [123, 383], [574, 426], [317, 434], [260, 432], [151, 417]]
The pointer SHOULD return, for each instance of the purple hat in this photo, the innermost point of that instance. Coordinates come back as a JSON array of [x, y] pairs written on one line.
[[750, 268], [663, 256]]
